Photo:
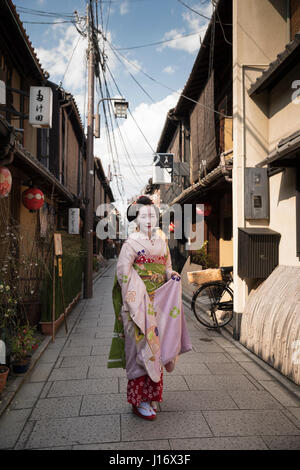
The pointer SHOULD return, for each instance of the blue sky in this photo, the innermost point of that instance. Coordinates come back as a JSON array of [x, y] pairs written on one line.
[[61, 51]]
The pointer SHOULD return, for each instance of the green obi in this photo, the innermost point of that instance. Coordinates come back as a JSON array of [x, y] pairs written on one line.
[[153, 276]]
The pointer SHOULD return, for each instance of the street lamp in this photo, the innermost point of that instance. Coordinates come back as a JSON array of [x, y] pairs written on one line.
[[120, 111]]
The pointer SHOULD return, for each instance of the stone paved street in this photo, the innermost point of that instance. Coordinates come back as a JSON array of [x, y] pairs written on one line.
[[219, 397]]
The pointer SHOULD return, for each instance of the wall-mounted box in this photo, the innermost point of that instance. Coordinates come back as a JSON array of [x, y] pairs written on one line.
[[258, 251], [256, 193]]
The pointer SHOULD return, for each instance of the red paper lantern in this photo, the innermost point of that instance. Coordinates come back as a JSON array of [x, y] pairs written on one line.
[[172, 227], [33, 199], [5, 181], [207, 210]]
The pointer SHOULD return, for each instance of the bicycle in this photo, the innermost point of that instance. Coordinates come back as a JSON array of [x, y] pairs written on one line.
[[212, 303]]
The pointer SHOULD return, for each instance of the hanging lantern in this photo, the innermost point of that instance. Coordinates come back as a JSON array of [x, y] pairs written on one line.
[[207, 210], [172, 227], [33, 199], [5, 181]]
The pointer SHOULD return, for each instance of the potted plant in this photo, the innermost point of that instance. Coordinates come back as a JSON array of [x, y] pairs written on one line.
[[22, 344], [4, 370]]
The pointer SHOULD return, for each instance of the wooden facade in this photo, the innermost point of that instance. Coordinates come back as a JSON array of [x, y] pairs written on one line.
[[198, 131]]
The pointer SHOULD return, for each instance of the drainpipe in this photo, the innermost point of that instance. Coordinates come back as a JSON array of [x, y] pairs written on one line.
[[61, 139]]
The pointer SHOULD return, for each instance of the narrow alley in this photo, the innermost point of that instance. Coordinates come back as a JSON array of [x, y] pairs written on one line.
[[220, 396]]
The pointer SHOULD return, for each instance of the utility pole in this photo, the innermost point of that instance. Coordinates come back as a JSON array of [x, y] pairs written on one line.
[[89, 194]]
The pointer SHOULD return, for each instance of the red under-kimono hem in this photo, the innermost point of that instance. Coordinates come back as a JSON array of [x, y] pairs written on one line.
[[144, 389]]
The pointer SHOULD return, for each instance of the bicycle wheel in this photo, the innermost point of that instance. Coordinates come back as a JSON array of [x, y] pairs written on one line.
[[212, 304]]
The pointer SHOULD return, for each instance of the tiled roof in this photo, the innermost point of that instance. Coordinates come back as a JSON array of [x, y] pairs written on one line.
[[23, 32], [278, 68]]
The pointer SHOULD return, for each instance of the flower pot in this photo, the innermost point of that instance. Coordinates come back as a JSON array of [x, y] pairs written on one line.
[[4, 370], [22, 366]]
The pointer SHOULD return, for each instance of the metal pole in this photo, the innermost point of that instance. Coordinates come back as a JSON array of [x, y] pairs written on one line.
[[89, 209]]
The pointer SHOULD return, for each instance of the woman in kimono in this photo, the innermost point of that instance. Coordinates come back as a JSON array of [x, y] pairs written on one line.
[[150, 329]]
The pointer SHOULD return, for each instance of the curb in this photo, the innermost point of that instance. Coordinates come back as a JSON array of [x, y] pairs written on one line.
[[288, 384], [16, 383]]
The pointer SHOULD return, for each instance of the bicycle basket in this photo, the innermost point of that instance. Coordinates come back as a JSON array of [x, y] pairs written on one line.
[[206, 275]]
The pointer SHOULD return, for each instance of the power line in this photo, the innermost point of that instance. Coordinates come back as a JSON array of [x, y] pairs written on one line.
[[158, 42], [166, 86], [134, 172], [47, 22], [30, 11], [197, 12], [146, 140]]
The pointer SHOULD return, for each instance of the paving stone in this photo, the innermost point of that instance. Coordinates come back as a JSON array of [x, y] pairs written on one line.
[[238, 356], [295, 412], [88, 323], [27, 396], [138, 445], [282, 442], [197, 400], [280, 393], [49, 356], [191, 357], [254, 400], [74, 431], [12, 424], [80, 351], [189, 369], [99, 350], [228, 368], [80, 361], [201, 346], [40, 372], [77, 342], [218, 382], [219, 443], [96, 372], [83, 387], [256, 371], [173, 383], [24, 435], [58, 344], [105, 404], [68, 373], [50, 408], [174, 425], [249, 423]]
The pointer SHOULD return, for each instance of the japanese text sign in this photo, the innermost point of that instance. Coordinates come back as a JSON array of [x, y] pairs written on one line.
[[40, 108]]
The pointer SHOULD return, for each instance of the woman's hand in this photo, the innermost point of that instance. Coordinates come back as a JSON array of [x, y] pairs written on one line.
[[175, 276]]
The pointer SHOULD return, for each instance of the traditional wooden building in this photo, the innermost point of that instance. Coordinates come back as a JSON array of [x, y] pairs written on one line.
[[198, 131], [51, 159]]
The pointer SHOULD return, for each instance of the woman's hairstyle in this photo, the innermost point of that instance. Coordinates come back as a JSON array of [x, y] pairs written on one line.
[[133, 209]]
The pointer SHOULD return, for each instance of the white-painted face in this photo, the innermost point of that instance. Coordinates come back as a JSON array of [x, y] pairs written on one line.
[[146, 219]]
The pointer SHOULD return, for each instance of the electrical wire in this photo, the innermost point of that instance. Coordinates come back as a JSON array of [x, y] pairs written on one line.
[[165, 86], [70, 60], [194, 11], [134, 172], [47, 22], [129, 110], [158, 42], [127, 155]]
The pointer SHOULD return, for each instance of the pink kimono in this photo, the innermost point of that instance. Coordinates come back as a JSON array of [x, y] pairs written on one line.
[[152, 314]]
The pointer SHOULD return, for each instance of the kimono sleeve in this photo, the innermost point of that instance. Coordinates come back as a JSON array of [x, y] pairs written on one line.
[[124, 266], [169, 268]]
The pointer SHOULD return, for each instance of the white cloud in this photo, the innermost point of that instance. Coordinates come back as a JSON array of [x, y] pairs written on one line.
[[193, 24], [124, 8], [169, 69], [151, 119], [67, 62]]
